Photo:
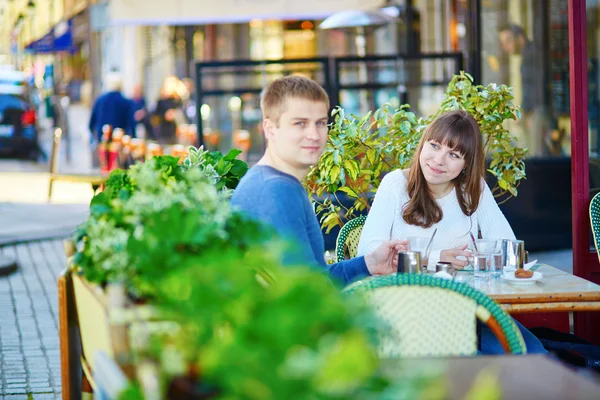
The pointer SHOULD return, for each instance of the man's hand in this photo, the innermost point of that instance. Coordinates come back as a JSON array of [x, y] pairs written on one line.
[[449, 255], [384, 259]]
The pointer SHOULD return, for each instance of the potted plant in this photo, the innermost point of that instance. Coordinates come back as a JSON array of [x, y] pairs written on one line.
[[361, 150], [159, 203]]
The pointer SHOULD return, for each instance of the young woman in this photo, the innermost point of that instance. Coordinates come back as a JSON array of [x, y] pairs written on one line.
[[442, 189]]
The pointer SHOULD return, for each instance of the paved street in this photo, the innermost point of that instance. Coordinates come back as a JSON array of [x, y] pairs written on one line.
[[29, 345]]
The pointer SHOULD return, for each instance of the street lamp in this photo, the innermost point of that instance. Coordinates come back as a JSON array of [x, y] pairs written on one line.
[[358, 21]]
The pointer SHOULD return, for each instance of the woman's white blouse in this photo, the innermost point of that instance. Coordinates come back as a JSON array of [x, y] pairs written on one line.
[[385, 222]]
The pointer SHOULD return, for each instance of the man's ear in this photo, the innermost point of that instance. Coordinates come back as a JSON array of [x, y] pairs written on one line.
[[268, 128]]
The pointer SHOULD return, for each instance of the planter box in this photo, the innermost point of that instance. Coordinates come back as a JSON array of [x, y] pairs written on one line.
[[93, 318]]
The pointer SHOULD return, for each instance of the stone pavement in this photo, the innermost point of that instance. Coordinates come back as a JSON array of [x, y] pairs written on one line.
[[26, 222], [29, 343]]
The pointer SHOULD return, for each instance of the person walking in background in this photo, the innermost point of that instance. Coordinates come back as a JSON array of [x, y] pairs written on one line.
[[140, 112], [536, 122], [168, 112], [111, 108]]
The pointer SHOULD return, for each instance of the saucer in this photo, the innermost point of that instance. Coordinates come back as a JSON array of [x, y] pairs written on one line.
[[512, 279]]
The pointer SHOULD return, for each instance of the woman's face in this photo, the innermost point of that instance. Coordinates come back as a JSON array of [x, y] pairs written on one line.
[[440, 164]]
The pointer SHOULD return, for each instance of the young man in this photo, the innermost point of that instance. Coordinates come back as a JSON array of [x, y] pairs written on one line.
[[295, 113]]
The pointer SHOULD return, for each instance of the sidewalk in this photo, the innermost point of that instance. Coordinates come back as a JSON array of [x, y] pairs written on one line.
[[25, 222], [29, 343]]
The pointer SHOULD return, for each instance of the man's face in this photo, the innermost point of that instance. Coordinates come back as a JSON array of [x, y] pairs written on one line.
[[509, 42], [300, 136]]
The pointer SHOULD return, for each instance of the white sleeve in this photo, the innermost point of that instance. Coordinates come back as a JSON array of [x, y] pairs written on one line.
[[378, 226], [492, 222]]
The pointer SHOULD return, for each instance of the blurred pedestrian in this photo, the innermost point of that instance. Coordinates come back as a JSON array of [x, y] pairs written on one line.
[[110, 108], [536, 121], [168, 112], [140, 112]]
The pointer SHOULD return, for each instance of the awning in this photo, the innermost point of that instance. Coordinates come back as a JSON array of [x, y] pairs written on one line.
[[182, 12], [59, 39]]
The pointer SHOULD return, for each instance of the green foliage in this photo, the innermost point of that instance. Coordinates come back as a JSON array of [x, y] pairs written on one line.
[[361, 150], [295, 337], [227, 169], [358, 153], [491, 106], [165, 209]]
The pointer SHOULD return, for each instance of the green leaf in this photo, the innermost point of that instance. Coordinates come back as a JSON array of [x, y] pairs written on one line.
[[405, 127], [352, 167], [232, 154], [348, 191], [334, 173]]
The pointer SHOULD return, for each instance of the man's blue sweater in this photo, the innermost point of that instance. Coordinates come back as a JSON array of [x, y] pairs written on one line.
[[279, 200]]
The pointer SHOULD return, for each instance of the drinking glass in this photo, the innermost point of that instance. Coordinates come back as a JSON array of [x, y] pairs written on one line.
[[497, 264], [484, 258], [419, 244]]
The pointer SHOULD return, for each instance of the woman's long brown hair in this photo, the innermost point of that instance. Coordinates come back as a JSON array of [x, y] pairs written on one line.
[[459, 131]]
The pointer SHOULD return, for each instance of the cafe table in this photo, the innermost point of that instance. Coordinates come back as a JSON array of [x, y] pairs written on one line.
[[557, 291], [528, 377]]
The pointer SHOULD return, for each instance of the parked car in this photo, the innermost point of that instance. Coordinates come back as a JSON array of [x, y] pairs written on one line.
[[18, 118]]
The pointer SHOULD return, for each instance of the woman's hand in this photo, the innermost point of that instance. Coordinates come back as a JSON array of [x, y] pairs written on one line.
[[450, 255], [384, 259]]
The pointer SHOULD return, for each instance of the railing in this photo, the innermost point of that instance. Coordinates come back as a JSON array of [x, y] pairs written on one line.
[[366, 81]]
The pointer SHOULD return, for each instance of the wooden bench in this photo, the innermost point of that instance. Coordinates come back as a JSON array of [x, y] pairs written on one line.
[[96, 180]]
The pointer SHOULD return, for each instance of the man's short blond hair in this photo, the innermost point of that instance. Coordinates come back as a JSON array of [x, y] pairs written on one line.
[[274, 96]]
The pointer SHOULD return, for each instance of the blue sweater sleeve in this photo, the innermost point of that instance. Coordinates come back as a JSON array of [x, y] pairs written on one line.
[[349, 271], [284, 205]]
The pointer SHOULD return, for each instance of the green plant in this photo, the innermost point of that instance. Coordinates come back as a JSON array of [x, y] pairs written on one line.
[[227, 169], [357, 155], [491, 106], [150, 216], [296, 337], [361, 150]]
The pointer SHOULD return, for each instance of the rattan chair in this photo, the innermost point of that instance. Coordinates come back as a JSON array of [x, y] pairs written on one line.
[[422, 316], [346, 245], [595, 219]]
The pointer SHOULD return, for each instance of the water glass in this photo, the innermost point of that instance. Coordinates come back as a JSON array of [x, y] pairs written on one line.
[[419, 244], [497, 262], [486, 256], [481, 264]]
